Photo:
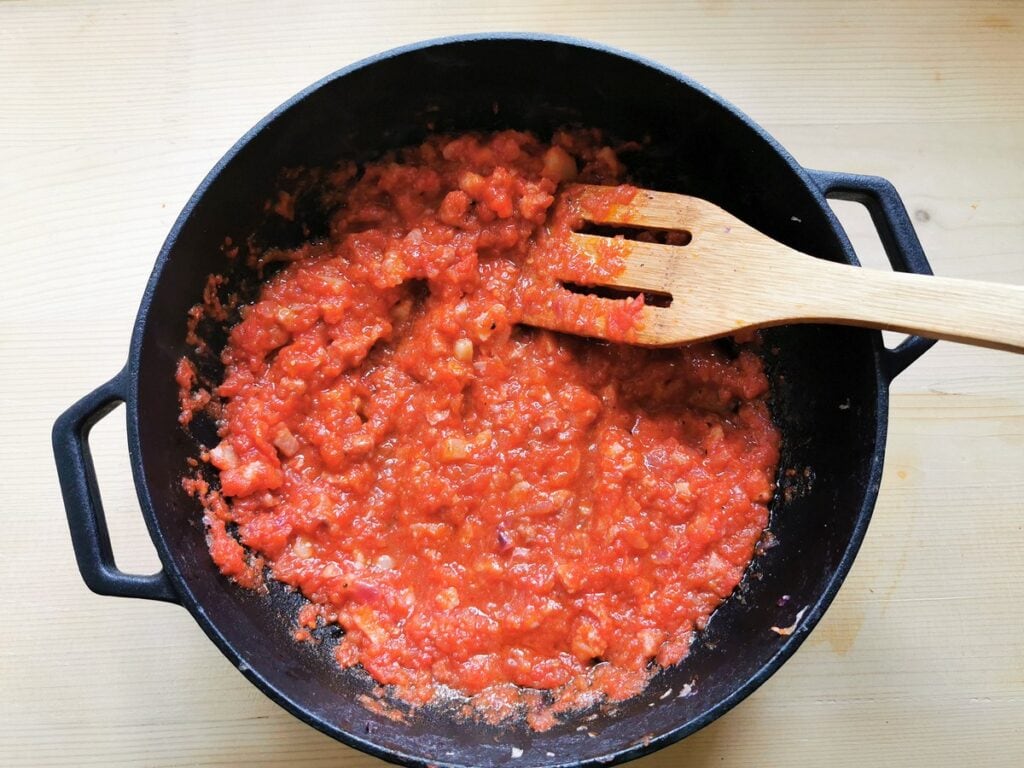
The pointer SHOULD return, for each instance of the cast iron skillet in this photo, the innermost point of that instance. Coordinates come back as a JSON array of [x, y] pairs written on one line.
[[830, 383]]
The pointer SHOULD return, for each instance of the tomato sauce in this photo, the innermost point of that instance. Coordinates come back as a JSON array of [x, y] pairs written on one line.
[[479, 505]]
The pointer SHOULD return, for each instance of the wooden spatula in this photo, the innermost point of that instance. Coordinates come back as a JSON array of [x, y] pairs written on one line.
[[729, 276]]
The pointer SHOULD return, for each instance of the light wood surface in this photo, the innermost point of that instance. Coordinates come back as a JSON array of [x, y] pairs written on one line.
[[111, 113]]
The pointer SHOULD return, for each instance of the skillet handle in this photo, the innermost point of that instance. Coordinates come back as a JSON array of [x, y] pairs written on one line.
[[898, 237], [82, 499]]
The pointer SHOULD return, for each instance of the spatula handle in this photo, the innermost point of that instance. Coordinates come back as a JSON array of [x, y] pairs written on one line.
[[895, 230], [971, 312]]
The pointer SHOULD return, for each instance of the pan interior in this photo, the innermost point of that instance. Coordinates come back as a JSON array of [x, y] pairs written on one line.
[[826, 397]]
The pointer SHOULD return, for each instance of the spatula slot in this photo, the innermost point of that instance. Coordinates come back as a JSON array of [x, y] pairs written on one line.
[[651, 298], [639, 234]]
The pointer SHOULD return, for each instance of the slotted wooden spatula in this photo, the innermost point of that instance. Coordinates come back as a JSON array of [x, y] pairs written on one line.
[[730, 277]]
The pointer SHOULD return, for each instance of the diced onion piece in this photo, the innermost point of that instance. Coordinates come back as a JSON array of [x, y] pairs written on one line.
[[455, 449], [302, 547], [285, 441], [464, 350], [224, 456], [401, 310], [436, 417], [448, 598], [558, 165], [330, 571]]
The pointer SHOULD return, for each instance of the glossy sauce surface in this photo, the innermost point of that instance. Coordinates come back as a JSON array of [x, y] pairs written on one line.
[[480, 505]]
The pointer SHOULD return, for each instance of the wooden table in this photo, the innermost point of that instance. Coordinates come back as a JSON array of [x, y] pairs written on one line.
[[111, 113]]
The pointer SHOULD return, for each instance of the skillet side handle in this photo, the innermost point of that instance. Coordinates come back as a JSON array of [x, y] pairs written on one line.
[[82, 502], [900, 241]]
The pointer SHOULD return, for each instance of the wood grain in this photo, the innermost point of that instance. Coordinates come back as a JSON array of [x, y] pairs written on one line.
[[113, 113], [716, 281]]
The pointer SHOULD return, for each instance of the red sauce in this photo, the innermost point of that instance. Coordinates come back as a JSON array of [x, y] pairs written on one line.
[[478, 504]]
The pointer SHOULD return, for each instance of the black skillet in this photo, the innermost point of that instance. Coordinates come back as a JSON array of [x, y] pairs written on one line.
[[830, 383]]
